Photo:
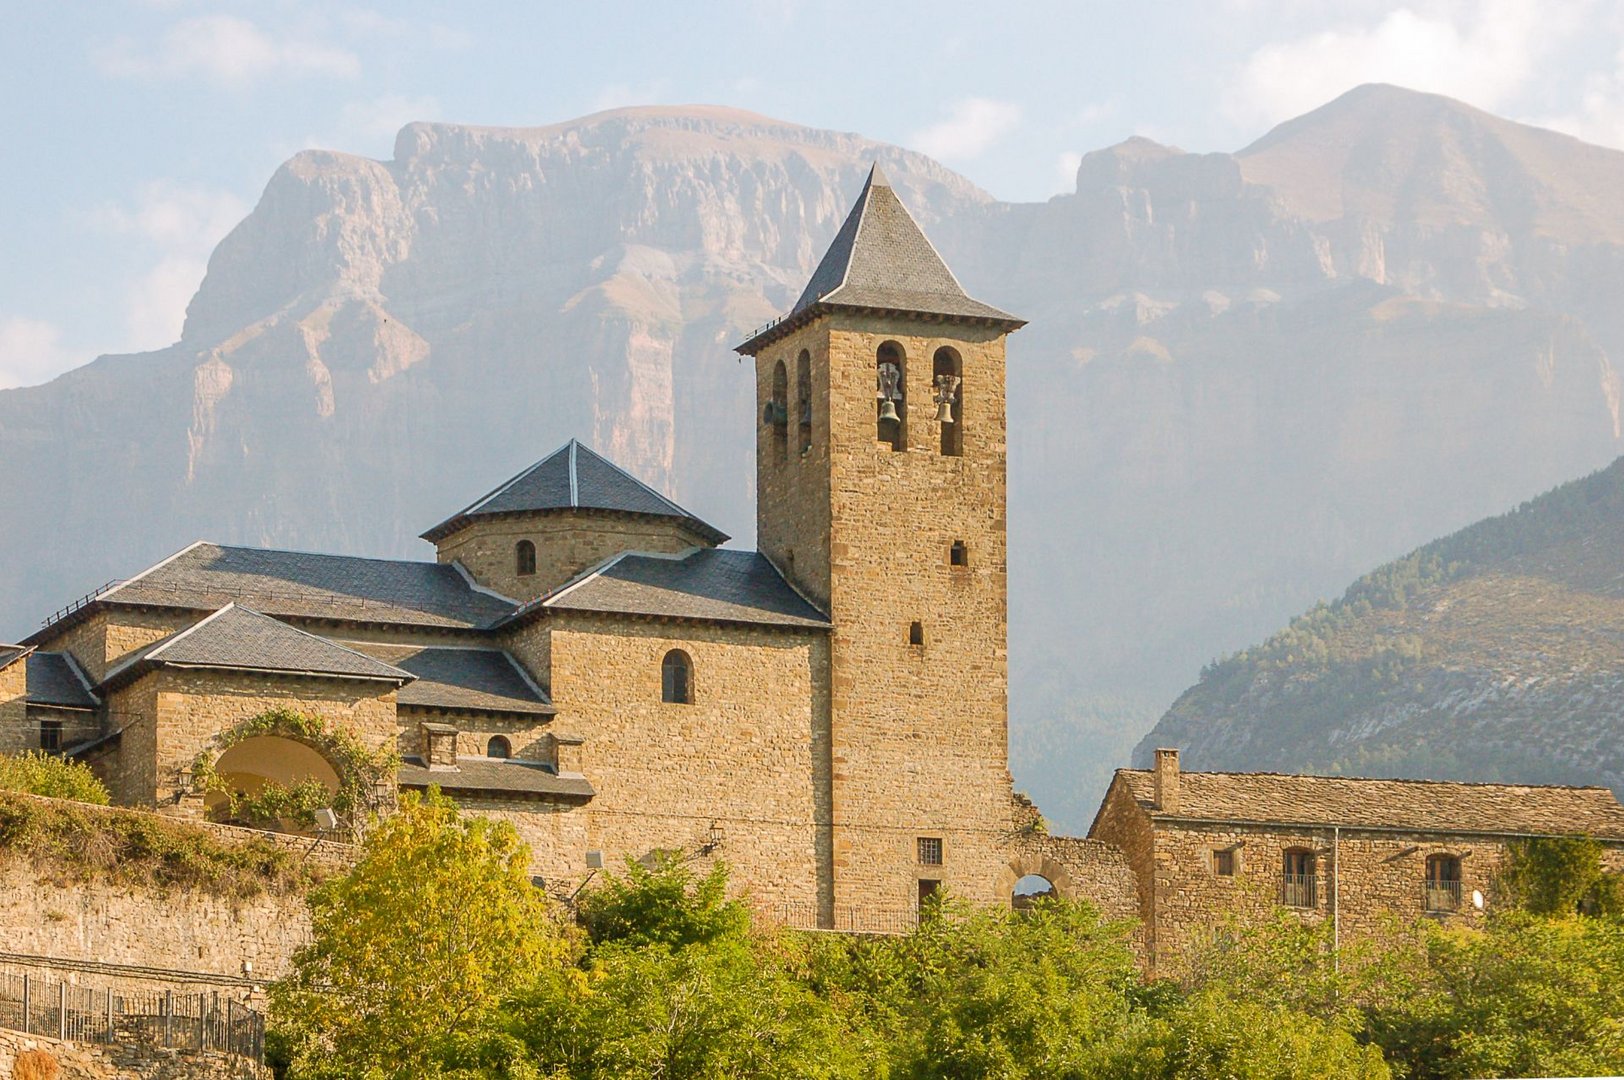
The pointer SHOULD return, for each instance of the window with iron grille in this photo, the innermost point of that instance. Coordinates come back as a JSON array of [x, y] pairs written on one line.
[[930, 851]]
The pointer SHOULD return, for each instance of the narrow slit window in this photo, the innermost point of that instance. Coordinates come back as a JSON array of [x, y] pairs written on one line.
[[916, 633], [803, 398], [958, 554]]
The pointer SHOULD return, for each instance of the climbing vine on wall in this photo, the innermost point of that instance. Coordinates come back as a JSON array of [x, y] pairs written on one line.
[[361, 771]]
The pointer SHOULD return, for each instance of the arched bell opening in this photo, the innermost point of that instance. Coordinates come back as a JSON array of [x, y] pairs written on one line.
[[803, 398], [251, 769], [777, 415], [891, 396], [947, 382]]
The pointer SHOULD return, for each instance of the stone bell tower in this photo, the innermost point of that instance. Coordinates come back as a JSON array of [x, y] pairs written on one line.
[[880, 465]]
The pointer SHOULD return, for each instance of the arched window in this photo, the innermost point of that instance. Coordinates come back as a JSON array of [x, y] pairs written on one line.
[[947, 384], [891, 396], [1299, 880], [777, 416], [803, 397], [524, 558], [1031, 890], [677, 678], [499, 747], [1443, 882]]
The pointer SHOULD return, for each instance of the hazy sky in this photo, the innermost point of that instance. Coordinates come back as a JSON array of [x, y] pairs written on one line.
[[137, 134]]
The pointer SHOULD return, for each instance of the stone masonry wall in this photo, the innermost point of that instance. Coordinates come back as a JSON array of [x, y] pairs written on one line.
[[749, 754], [14, 727], [1124, 826], [919, 732], [88, 1061], [567, 542], [102, 640], [131, 773]]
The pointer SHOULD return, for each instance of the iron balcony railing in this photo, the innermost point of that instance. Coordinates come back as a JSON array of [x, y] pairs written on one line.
[[36, 1005], [1443, 895], [1299, 890]]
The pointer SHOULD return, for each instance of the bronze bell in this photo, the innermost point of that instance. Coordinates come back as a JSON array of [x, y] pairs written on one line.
[[944, 412], [888, 411]]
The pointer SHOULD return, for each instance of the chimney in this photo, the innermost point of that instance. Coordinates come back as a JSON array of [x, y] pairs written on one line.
[[1167, 781], [439, 745]]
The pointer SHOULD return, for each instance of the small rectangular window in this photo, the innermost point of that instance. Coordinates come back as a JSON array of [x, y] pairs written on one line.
[[50, 734], [958, 554], [928, 887], [1223, 862], [916, 633], [930, 851]]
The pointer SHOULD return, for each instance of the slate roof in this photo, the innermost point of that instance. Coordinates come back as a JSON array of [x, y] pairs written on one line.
[[881, 260], [1420, 805], [475, 680], [54, 679], [241, 639], [709, 583], [297, 584], [573, 477], [496, 776]]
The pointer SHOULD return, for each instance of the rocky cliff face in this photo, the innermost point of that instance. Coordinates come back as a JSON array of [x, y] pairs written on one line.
[[1248, 377]]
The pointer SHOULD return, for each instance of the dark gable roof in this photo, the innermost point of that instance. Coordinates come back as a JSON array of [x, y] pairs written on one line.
[[1434, 806], [11, 653], [239, 639], [294, 584], [880, 260], [495, 776], [54, 679], [473, 680], [574, 478], [709, 583]]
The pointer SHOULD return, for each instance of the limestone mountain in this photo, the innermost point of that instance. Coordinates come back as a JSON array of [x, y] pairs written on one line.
[[1247, 378], [1493, 654]]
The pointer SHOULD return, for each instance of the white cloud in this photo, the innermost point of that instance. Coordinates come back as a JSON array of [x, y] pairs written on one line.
[[180, 225], [1599, 114], [226, 49], [1066, 166], [364, 124], [31, 352], [973, 126], [1484, 52]]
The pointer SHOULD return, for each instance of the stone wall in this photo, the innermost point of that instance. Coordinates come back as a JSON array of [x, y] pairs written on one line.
[[1124, 826], [567, 542], [750, 753], [100, 641], [14, 727], [88, 1061], [919, 731]]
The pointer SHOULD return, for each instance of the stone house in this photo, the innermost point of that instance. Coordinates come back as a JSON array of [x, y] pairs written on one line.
[[584, 659], [1347, 850]]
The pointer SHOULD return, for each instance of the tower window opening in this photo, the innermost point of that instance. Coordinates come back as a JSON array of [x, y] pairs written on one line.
[[677, 678], [947, 382], [499, 747], [777, 415], [803, 398], [916, 633], [524, 558], [958, 554], [890, 396]]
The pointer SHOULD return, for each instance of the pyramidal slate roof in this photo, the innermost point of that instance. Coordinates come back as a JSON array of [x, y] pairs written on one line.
[[573, 477], [54, 679], [240, 639], [881, 260], [708, 583]]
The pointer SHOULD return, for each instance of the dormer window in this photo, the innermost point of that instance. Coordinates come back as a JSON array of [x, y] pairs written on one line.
[[499, 747], [524, 558]]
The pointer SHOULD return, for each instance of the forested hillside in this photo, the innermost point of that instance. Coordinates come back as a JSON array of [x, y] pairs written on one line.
[[1496, 653]]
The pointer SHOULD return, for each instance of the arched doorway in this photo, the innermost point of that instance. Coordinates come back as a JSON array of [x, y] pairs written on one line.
[[1030, 889], [1031, 876], [247, 768]]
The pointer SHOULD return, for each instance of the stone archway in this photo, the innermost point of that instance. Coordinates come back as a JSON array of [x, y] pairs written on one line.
[[248, 766], [1031, 865]]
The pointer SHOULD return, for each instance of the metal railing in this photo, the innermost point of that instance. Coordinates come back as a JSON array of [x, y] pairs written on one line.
[[1299, 890], [35, 1005], [804, 915], [1442, 895]]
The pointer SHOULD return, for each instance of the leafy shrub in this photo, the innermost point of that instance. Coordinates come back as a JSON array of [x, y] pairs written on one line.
[[35, 773]]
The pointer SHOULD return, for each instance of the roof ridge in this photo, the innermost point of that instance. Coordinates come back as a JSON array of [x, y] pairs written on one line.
[[681, 512], [186, 633], [1377, 779]]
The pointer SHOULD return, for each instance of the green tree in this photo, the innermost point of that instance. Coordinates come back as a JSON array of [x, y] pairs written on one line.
[[1561, 875], [662, 905], [415, 950], [38, 773]]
